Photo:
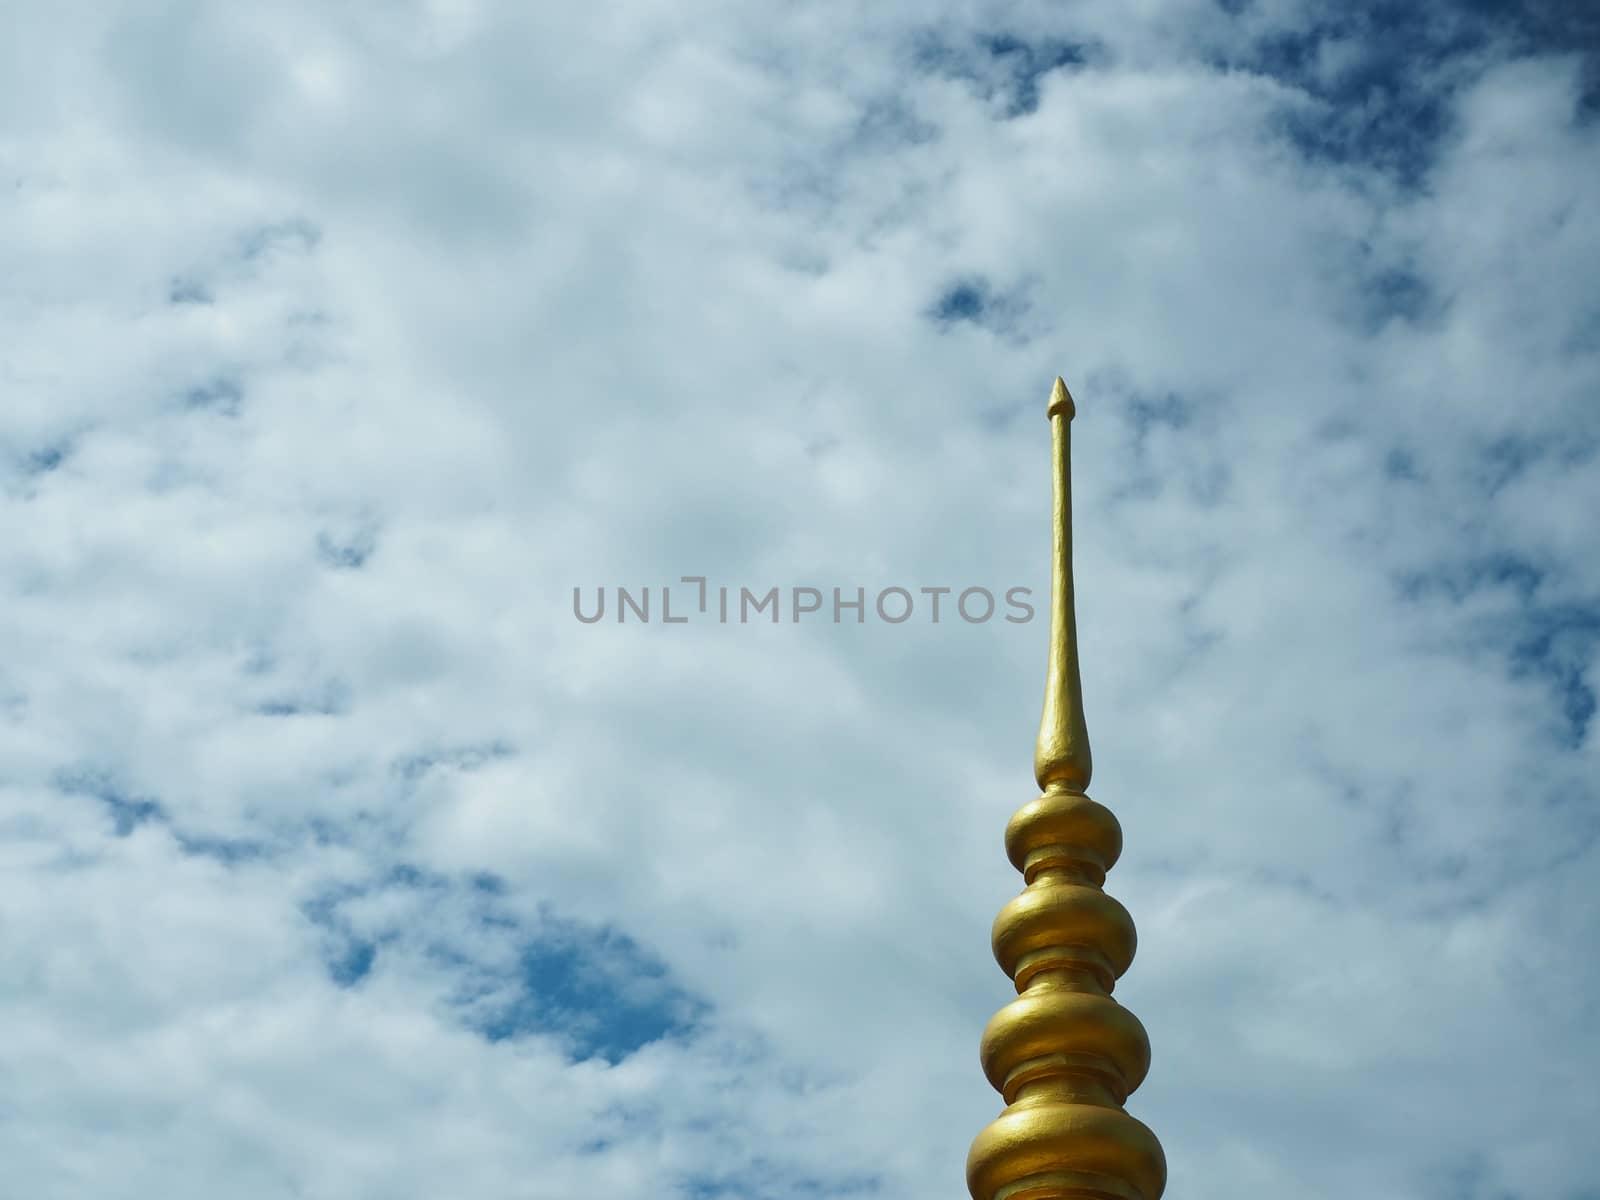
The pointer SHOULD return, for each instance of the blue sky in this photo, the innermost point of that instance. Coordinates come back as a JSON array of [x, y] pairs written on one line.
[[343, 343]]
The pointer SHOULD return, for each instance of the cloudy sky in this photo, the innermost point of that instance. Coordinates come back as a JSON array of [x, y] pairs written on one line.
[[341, 343]]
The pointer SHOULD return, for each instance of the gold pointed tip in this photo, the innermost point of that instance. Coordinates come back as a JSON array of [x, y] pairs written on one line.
[[1060, 401]]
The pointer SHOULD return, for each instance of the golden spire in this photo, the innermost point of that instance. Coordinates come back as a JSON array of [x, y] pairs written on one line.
[[1062, 753], [1064, 1054]]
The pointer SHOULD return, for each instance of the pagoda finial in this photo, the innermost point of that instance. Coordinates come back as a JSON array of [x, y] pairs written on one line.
[[1062, 754], [1064, 1054]]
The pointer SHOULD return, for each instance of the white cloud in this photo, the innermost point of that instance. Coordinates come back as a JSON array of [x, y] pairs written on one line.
[[342, 346]]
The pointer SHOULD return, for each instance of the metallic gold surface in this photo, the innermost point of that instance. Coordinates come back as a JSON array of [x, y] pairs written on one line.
[[1064, 1054], [1062, 755]]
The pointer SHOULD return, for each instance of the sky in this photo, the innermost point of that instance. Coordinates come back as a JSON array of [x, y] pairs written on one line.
[[345, 346]]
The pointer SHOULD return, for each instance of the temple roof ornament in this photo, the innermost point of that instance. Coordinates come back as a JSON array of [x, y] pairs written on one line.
[[1064, 1055]]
